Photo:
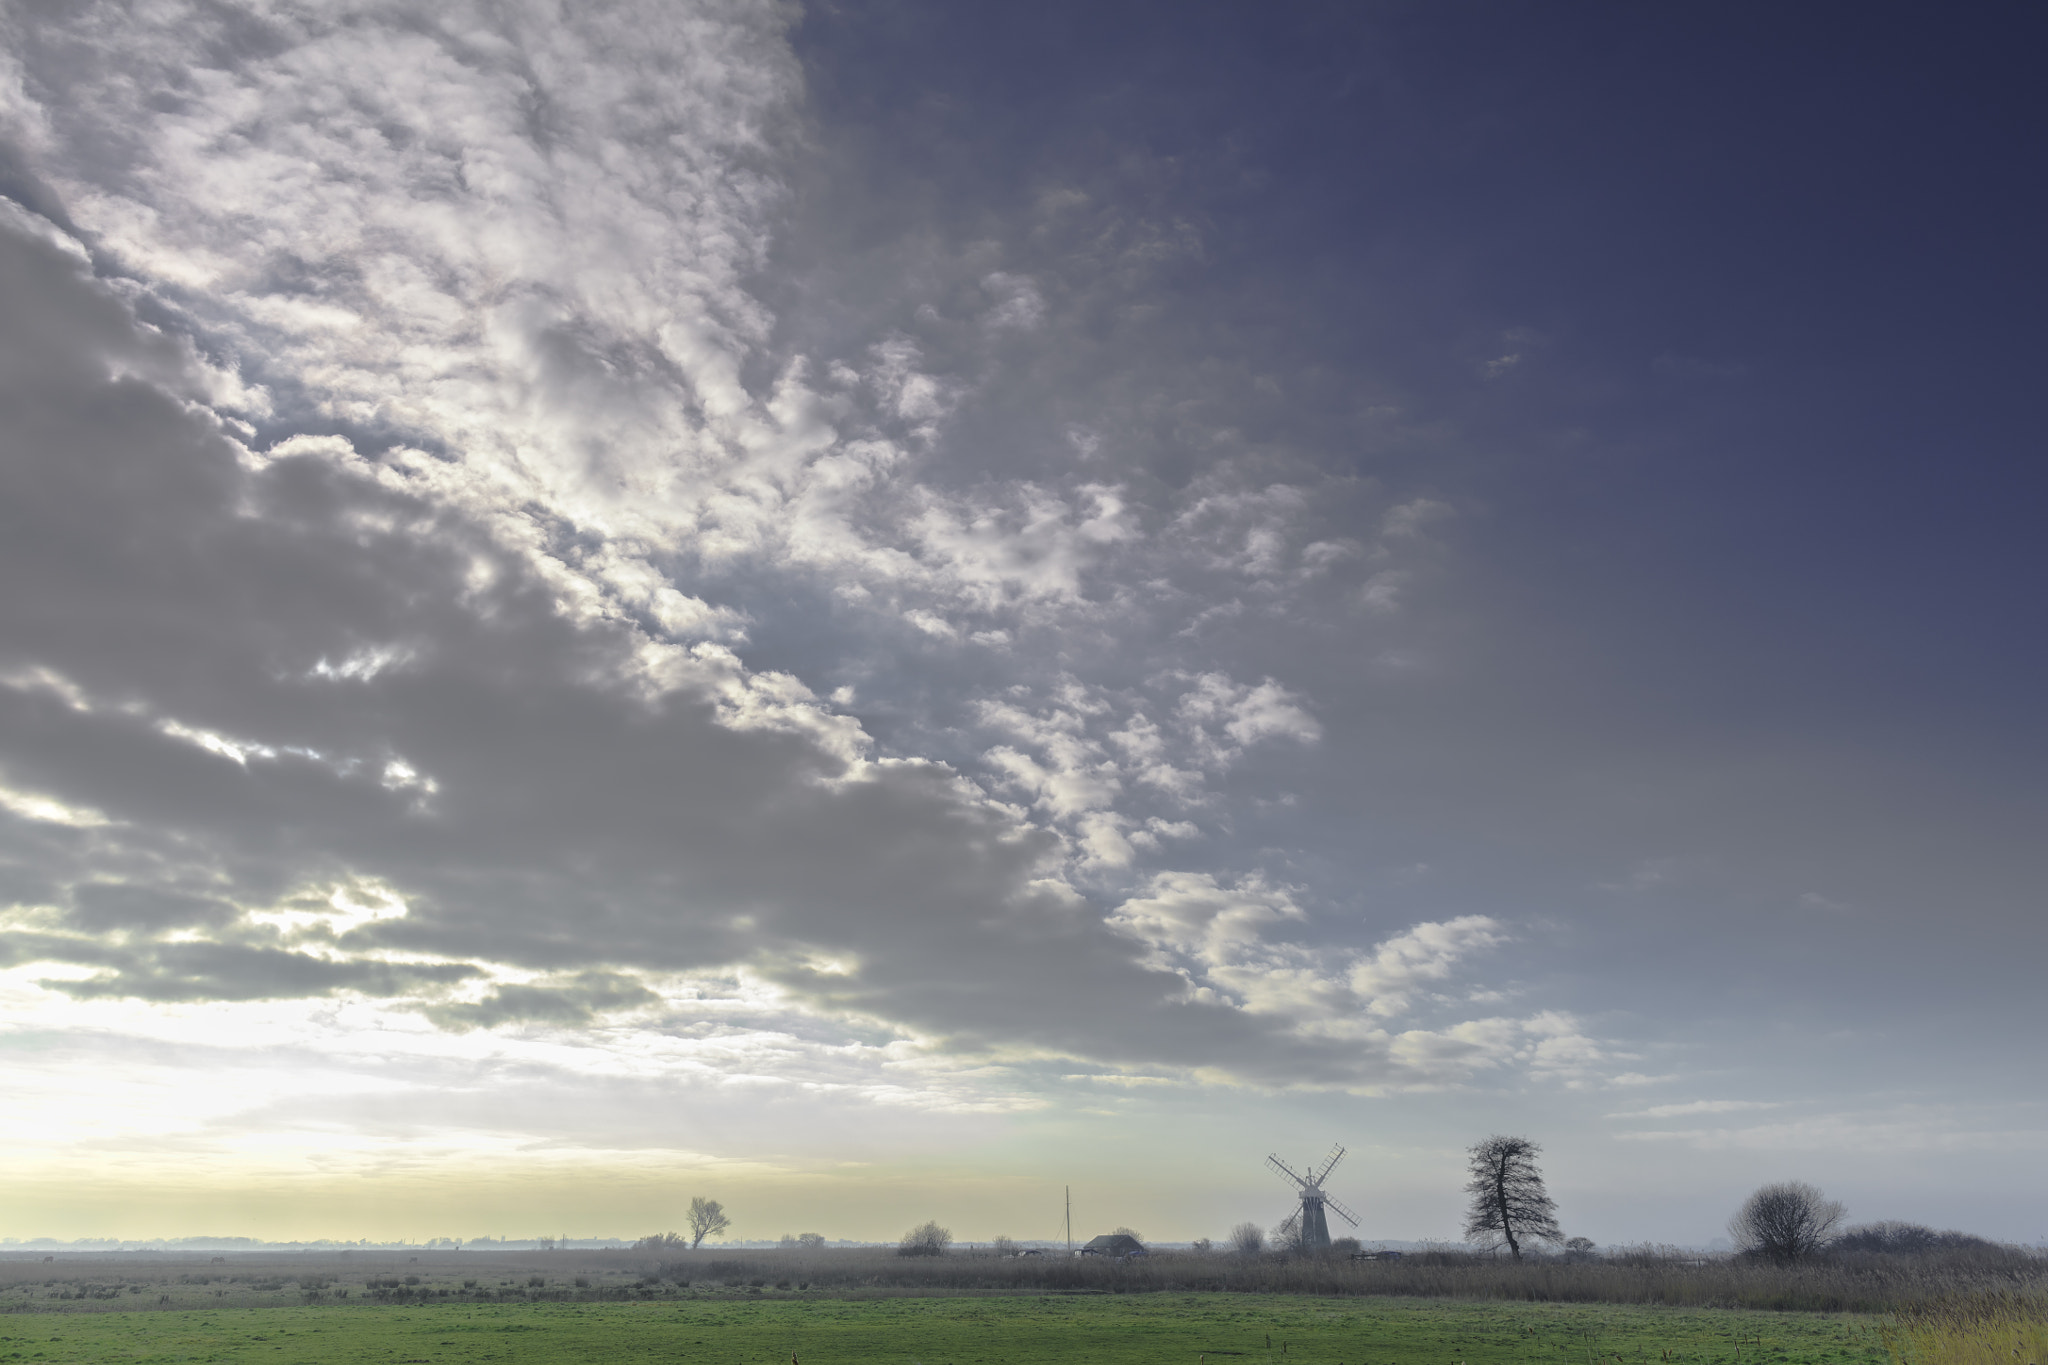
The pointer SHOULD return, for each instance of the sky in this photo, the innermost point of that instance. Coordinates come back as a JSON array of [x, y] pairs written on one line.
[[882, 610]]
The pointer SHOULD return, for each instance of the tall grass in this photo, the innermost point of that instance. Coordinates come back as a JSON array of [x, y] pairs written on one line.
[[1868, 1284], [1995, 1328], [1932, 1293]]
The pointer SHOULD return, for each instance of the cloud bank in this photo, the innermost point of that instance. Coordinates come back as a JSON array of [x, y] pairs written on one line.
[[389, 630]]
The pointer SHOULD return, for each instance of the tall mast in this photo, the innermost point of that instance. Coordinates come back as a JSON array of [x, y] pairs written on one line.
[[1070, 1220]]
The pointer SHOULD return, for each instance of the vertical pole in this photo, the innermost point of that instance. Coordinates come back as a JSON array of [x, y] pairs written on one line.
[[1070, 1220]]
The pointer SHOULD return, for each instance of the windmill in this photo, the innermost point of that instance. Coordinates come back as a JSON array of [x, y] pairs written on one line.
[[1307, 1222]]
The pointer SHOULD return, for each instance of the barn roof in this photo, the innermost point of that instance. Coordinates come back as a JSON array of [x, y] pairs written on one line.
[[1115, 1244]]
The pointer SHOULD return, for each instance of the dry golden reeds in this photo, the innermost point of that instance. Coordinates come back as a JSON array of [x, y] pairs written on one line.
[[2000, 1327]]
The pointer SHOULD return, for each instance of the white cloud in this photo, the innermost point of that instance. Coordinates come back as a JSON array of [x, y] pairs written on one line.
[[1678, 1110], [1244, 714], [1884, 1131], [1422, 956]]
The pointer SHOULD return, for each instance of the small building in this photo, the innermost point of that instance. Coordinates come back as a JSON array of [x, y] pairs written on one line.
[[1118, 1244]]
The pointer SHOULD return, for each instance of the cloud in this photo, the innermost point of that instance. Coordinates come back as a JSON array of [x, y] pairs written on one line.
[[1424, 955], [561, 800], [425, 542], [1240, 944], [103, 906], [1903, 1128], [1667, 1111], [1244, 715], [576, 1000]]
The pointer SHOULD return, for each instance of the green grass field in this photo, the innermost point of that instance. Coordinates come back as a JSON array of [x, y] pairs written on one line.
[[1149, 1329]]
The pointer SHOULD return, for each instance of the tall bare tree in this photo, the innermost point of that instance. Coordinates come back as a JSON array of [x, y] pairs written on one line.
[[1509, 1203], [1785, 1222], [1248, 1239], [706, 1217]]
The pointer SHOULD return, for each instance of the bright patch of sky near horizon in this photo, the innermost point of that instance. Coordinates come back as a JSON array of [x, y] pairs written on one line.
[[888, 606]]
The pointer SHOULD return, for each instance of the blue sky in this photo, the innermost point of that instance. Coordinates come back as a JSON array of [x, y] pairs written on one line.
[[877, 609]]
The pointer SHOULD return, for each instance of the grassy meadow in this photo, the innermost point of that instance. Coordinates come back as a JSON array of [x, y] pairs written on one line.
[[854, 1307], [1012, 1329]]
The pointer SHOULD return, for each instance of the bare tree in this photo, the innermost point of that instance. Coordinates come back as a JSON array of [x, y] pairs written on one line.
[[661, 1241], [1003, 1246], [1786, 1222], [927, 1239], [1248, 1239], [1509, 1203], [706, 1216], [811, 1241]]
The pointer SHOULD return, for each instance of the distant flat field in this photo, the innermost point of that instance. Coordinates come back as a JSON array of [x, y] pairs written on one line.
[[1141, 1329]]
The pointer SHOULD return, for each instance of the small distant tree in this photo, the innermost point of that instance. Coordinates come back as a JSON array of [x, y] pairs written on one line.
[[1578, 1248], [811, 1241], [1509, 1203], [1202, 1245], [1786, 1222], [788, 1242], [926, 1239], [706, 1216], [1248, 1239], [1003, 1246], [1131, 1233], [662, 1241]]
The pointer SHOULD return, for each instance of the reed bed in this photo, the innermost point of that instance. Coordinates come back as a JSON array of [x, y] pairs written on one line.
[[1866, 1284], [1986, 1328], [1937, 1298]]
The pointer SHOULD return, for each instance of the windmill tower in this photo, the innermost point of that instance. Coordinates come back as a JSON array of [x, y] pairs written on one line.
[[1314, 1228]]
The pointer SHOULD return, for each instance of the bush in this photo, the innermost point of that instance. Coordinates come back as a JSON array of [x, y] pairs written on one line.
[[1905, 1239], [1787, 1222], [927, 1239]]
